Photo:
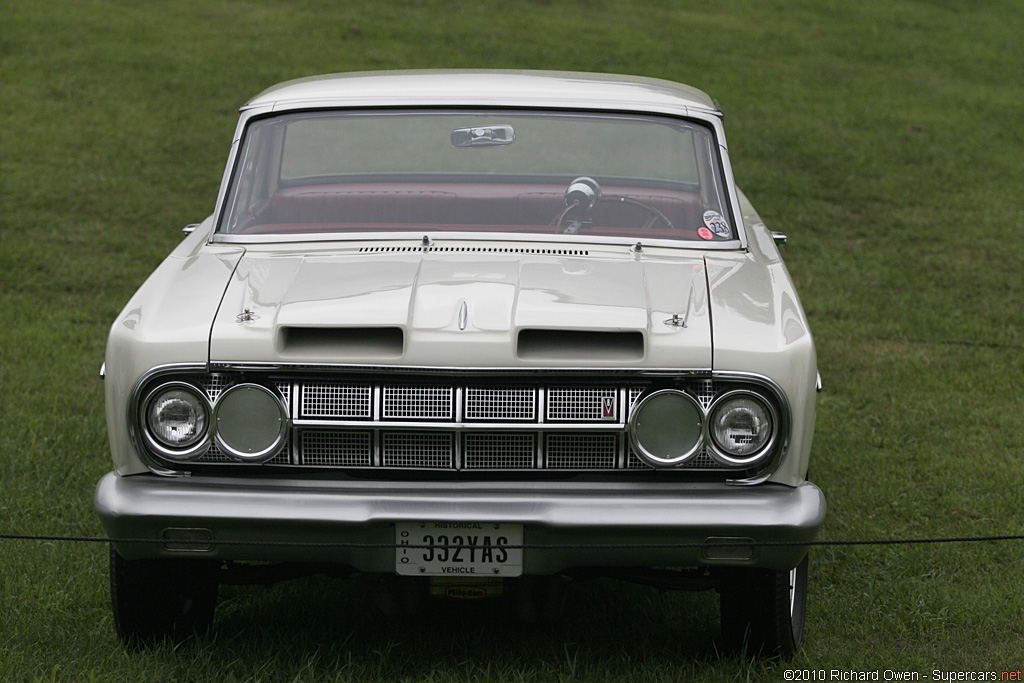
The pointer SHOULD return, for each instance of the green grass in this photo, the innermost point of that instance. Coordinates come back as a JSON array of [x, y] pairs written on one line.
[[883, 137]]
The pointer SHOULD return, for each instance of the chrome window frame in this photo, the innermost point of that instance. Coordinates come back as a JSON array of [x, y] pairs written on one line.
[[711, 119]]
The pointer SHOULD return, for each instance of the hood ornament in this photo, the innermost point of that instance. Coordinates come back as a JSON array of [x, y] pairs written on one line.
[[463, 316], [246, 316], [676, 321]]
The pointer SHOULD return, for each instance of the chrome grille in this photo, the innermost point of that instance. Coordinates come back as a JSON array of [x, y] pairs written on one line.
[[582, 403], [470, 424], [352, 401], [634, 394], [286, 391], [499, 405], [416, 450], [581, 451], [499, 451], [336, 448], [702, 461], [635, 463], [418, 403], [215, 456], [215, 386], [705, 392]]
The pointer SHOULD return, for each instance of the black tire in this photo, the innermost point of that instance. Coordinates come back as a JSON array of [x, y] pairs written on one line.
[[764, 610], [158, 599]]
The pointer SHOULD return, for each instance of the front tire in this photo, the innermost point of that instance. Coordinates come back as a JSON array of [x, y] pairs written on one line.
[[764, 610], [157, 599]]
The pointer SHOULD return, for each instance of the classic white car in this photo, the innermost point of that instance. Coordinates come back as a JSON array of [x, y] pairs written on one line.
[[480, 332]]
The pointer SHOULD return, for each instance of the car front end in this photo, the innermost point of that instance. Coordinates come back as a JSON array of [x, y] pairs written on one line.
[[466, 327]]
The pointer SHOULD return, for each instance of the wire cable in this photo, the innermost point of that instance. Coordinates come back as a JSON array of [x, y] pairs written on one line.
[[524, 546]]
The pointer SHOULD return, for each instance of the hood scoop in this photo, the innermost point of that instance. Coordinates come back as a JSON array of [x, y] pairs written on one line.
[[576, 345], [341, 342]]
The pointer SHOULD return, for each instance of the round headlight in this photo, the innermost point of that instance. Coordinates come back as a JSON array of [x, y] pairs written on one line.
[[666, 428], [177, 421], [251, 422], [742, 428]]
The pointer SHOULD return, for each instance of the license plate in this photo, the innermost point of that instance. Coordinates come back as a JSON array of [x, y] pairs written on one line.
[[458, 549]]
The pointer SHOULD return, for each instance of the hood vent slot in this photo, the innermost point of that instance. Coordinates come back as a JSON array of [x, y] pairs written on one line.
[[347, 342], [476, 250], [576, 345]]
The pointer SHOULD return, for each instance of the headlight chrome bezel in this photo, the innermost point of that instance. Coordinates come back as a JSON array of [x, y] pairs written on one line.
[[164, 458], [708, 443], [686, 451], [272, 404], [719, 452], [191, 449]]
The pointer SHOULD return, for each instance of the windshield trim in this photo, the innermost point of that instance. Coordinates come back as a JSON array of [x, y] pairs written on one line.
[[708, 119], [431, 239]]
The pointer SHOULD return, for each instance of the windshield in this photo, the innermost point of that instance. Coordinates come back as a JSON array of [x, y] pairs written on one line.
[[501, 171]]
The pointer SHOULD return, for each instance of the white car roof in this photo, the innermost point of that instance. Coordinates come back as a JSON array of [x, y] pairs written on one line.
[[485, 88]]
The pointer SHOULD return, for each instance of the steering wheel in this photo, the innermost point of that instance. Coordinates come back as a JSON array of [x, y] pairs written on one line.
[[656, 215], [581, 196]]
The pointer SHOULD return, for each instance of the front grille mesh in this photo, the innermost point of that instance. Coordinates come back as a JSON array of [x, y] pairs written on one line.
[[500, 404], [417, 450], [582, 403], [581, 451], [336, 449], [500, 451], [336, 400], [418, 403], [365, 424]]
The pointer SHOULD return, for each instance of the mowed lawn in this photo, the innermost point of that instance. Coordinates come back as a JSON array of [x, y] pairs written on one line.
[[885, 138]]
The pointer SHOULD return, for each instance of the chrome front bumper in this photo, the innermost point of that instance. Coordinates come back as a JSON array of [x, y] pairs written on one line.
[[578, 517]]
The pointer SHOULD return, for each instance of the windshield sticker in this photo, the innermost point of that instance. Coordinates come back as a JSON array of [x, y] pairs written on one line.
[[706, 234], [716, 222]]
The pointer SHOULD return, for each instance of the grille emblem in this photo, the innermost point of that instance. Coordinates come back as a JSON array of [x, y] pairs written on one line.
[[608, 408]]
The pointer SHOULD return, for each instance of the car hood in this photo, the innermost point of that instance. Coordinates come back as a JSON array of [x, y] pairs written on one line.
[[472, 307]]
